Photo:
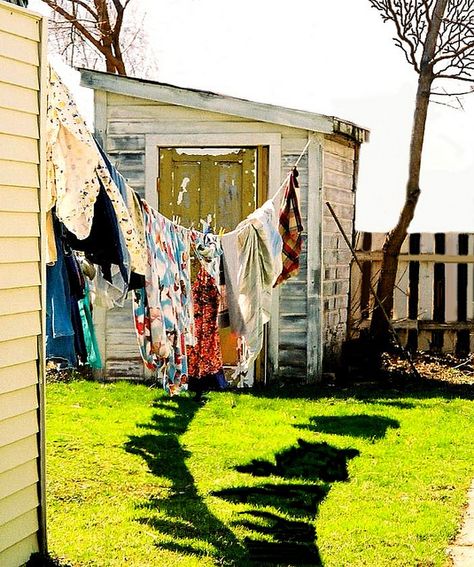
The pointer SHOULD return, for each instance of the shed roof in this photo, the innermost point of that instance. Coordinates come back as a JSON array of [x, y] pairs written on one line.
[[213, 102]]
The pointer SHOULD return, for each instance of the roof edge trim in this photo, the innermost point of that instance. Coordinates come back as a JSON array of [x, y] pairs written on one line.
[[221, 104]]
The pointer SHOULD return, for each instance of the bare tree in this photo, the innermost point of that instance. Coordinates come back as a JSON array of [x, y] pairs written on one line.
[[90, 33], [437, 38]]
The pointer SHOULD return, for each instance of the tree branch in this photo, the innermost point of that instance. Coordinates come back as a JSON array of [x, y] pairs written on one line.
[[85, 6], [70, 18]]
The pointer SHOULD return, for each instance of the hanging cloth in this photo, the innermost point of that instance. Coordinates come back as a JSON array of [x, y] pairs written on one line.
[[103, 246], [59, 325], [291, 228], [205, 358], [72, 159], [129, 213], [252, 261], [90, 339], [64, 288], [163, 314]]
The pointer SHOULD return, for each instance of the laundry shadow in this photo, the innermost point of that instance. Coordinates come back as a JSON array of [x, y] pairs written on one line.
[[182, 517], [361, 425], [312, 461], [286, 535]]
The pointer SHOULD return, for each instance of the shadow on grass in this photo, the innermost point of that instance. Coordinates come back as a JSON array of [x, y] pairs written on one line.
[[311, 461], [366, 426], [286, 535], [184, 520]]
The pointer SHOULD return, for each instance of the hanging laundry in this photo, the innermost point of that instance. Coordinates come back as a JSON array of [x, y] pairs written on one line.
[[163, 309], [105, 247], [64, 288], [128, 212], [90, 339], [51, 252], [205, 357], [223, 314], [252, 261], [130, 232], [207, 248], [76, 170], [59, 327], [72, 159], [291, 228]]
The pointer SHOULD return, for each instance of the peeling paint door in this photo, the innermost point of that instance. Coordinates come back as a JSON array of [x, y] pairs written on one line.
[[216, 184]]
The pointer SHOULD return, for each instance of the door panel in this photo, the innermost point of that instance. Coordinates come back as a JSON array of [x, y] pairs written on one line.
[[218, 185]]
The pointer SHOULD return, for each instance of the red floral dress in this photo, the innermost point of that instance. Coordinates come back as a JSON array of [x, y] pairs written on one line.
[[205, 357]]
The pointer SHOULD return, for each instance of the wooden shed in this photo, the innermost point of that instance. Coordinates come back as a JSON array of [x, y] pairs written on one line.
[[195, 153], [22, 109]]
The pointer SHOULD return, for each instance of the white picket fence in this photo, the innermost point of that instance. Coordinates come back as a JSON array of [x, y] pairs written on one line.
[[434, 295]]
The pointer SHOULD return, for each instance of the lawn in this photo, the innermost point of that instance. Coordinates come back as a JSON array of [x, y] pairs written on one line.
[[340, 477]]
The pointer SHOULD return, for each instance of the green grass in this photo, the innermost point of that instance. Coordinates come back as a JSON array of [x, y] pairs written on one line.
[[136, 478]]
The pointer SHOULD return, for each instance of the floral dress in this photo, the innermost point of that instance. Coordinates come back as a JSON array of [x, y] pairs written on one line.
[[205, 357]]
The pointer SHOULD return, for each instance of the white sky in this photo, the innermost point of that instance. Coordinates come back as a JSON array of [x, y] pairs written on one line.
[[333, 57]]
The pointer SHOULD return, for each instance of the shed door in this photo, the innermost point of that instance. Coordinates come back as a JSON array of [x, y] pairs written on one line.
[[213, 184]]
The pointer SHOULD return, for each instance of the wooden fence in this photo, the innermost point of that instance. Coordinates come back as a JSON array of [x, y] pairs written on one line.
[[434, 294]]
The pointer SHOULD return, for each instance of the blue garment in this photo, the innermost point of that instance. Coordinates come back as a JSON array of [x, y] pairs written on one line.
[[59, 327], [93, 352]]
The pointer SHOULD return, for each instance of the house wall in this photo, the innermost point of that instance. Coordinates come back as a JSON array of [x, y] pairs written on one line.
[[21, 293], [124, 123]]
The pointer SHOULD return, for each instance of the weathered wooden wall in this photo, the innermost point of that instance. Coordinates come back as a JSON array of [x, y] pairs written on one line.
[[124, 122], [433, 299], [21, 104], [340, 170]]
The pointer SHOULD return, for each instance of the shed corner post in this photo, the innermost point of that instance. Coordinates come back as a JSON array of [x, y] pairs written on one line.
[[314, 260]]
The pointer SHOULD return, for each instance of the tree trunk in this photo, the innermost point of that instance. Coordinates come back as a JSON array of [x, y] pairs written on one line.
[[109, 39], [379, 327]]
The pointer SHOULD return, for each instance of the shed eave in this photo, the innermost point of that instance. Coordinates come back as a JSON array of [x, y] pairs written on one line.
[[212, 102]]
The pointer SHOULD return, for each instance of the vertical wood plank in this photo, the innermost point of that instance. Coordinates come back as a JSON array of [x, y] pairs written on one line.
[[451, 279], [314, 262], [400, 297], [470, 283], [355, 300], [378, 238], [424, 340], [449, 342], [426, 279]]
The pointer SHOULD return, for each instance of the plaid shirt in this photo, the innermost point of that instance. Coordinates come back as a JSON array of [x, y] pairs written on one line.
[[290, 228]]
